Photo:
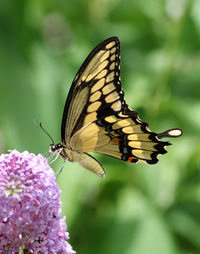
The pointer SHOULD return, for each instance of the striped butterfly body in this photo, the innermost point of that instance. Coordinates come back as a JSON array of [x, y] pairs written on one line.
[[96, 117]]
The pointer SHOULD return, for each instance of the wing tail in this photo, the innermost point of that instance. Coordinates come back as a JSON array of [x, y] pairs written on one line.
[[171, 133]]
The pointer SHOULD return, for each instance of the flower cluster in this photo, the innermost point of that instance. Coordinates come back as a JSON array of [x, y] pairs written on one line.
[[30, 206]]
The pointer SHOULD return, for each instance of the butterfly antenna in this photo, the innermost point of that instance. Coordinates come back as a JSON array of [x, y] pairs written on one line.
[[40, 126]]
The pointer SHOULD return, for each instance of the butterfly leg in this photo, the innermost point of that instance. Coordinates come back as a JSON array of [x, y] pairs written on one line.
[[61, 168]]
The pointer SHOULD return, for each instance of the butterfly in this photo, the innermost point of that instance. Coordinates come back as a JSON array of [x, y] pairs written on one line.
[[96, 117]]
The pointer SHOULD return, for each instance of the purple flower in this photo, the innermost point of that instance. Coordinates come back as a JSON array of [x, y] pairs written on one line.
[[30, 206]]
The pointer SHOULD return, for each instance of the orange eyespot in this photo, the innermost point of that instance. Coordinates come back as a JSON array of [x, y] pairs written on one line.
[[116, 140], [130, 159]]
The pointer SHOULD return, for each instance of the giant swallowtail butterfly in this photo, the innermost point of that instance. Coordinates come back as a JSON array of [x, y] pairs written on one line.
[[96, 117]]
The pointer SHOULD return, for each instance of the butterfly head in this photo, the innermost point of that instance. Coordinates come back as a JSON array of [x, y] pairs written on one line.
[[52, 148], [57, 149]]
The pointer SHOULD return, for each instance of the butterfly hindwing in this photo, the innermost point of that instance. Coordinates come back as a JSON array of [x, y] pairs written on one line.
[[132, 139]]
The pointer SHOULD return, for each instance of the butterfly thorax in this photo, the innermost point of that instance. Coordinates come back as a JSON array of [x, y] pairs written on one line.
[[62, 151]]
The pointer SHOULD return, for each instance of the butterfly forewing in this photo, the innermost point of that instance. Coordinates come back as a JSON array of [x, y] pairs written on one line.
[[84, 96]]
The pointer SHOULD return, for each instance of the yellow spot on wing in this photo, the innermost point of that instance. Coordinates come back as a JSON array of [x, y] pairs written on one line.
[[113, 50], [105, 56], [94, 106], [122, 123], [103, 65], [98, 85], [121, 115], [108, 88], [110, 77], [143, 145], [110, 45], [112, 97], [112, 58], [111, 119], [142, 137], [101, 74], [90, 118], [132, 129], [116, 106], [95, 96], [112, 66]]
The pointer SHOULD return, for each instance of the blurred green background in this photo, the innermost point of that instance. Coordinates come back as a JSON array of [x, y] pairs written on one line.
[[137, 208]]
